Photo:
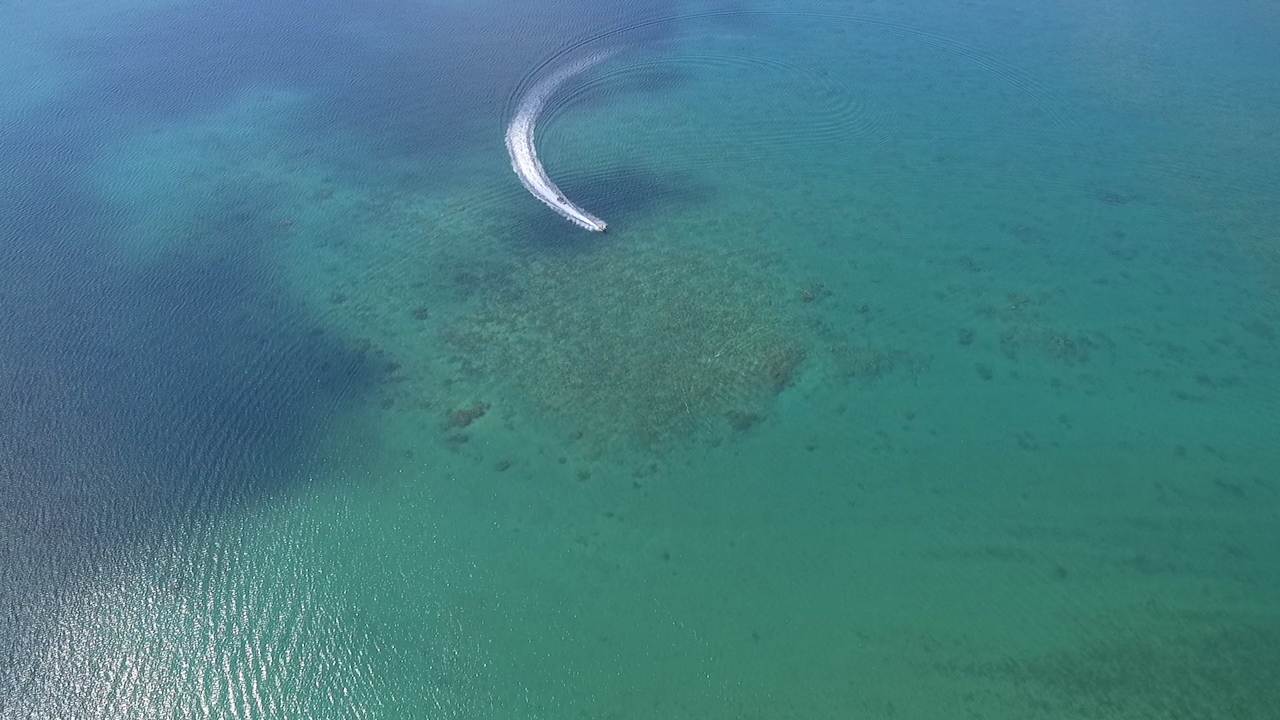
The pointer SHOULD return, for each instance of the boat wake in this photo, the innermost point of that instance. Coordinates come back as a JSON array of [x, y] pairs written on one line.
[[524, 156]]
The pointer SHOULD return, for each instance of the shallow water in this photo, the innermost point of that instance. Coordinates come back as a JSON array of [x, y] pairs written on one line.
[[928, 367]]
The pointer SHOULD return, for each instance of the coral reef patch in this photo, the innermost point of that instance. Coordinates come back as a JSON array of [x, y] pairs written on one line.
[[646, 343], [462, 417]]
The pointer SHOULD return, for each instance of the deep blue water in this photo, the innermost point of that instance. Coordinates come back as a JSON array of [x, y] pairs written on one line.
[[929, 365]]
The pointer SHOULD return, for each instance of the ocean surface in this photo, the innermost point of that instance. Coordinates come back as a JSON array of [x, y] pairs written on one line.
[[929, 366]]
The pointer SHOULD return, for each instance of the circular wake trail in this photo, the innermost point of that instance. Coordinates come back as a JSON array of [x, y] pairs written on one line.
[[524, 156]]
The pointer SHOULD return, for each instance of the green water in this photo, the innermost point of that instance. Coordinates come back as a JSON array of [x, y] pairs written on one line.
[[928, 369]]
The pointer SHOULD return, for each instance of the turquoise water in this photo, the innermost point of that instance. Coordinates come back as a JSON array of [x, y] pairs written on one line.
[[929, 367]]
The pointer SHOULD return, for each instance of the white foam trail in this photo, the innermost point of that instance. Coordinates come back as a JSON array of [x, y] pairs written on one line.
[[524, 156]]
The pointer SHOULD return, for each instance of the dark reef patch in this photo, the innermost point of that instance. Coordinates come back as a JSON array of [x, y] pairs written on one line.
[[647, 345], [462, 417], [1219, 670], [743, 420]]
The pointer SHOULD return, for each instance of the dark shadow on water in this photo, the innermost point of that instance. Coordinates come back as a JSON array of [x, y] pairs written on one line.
[[655, 80], [622, 197], [398, 78], [648, 81], [139, 399]]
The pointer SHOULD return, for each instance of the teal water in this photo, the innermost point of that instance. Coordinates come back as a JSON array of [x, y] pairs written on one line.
[[930, 366]]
